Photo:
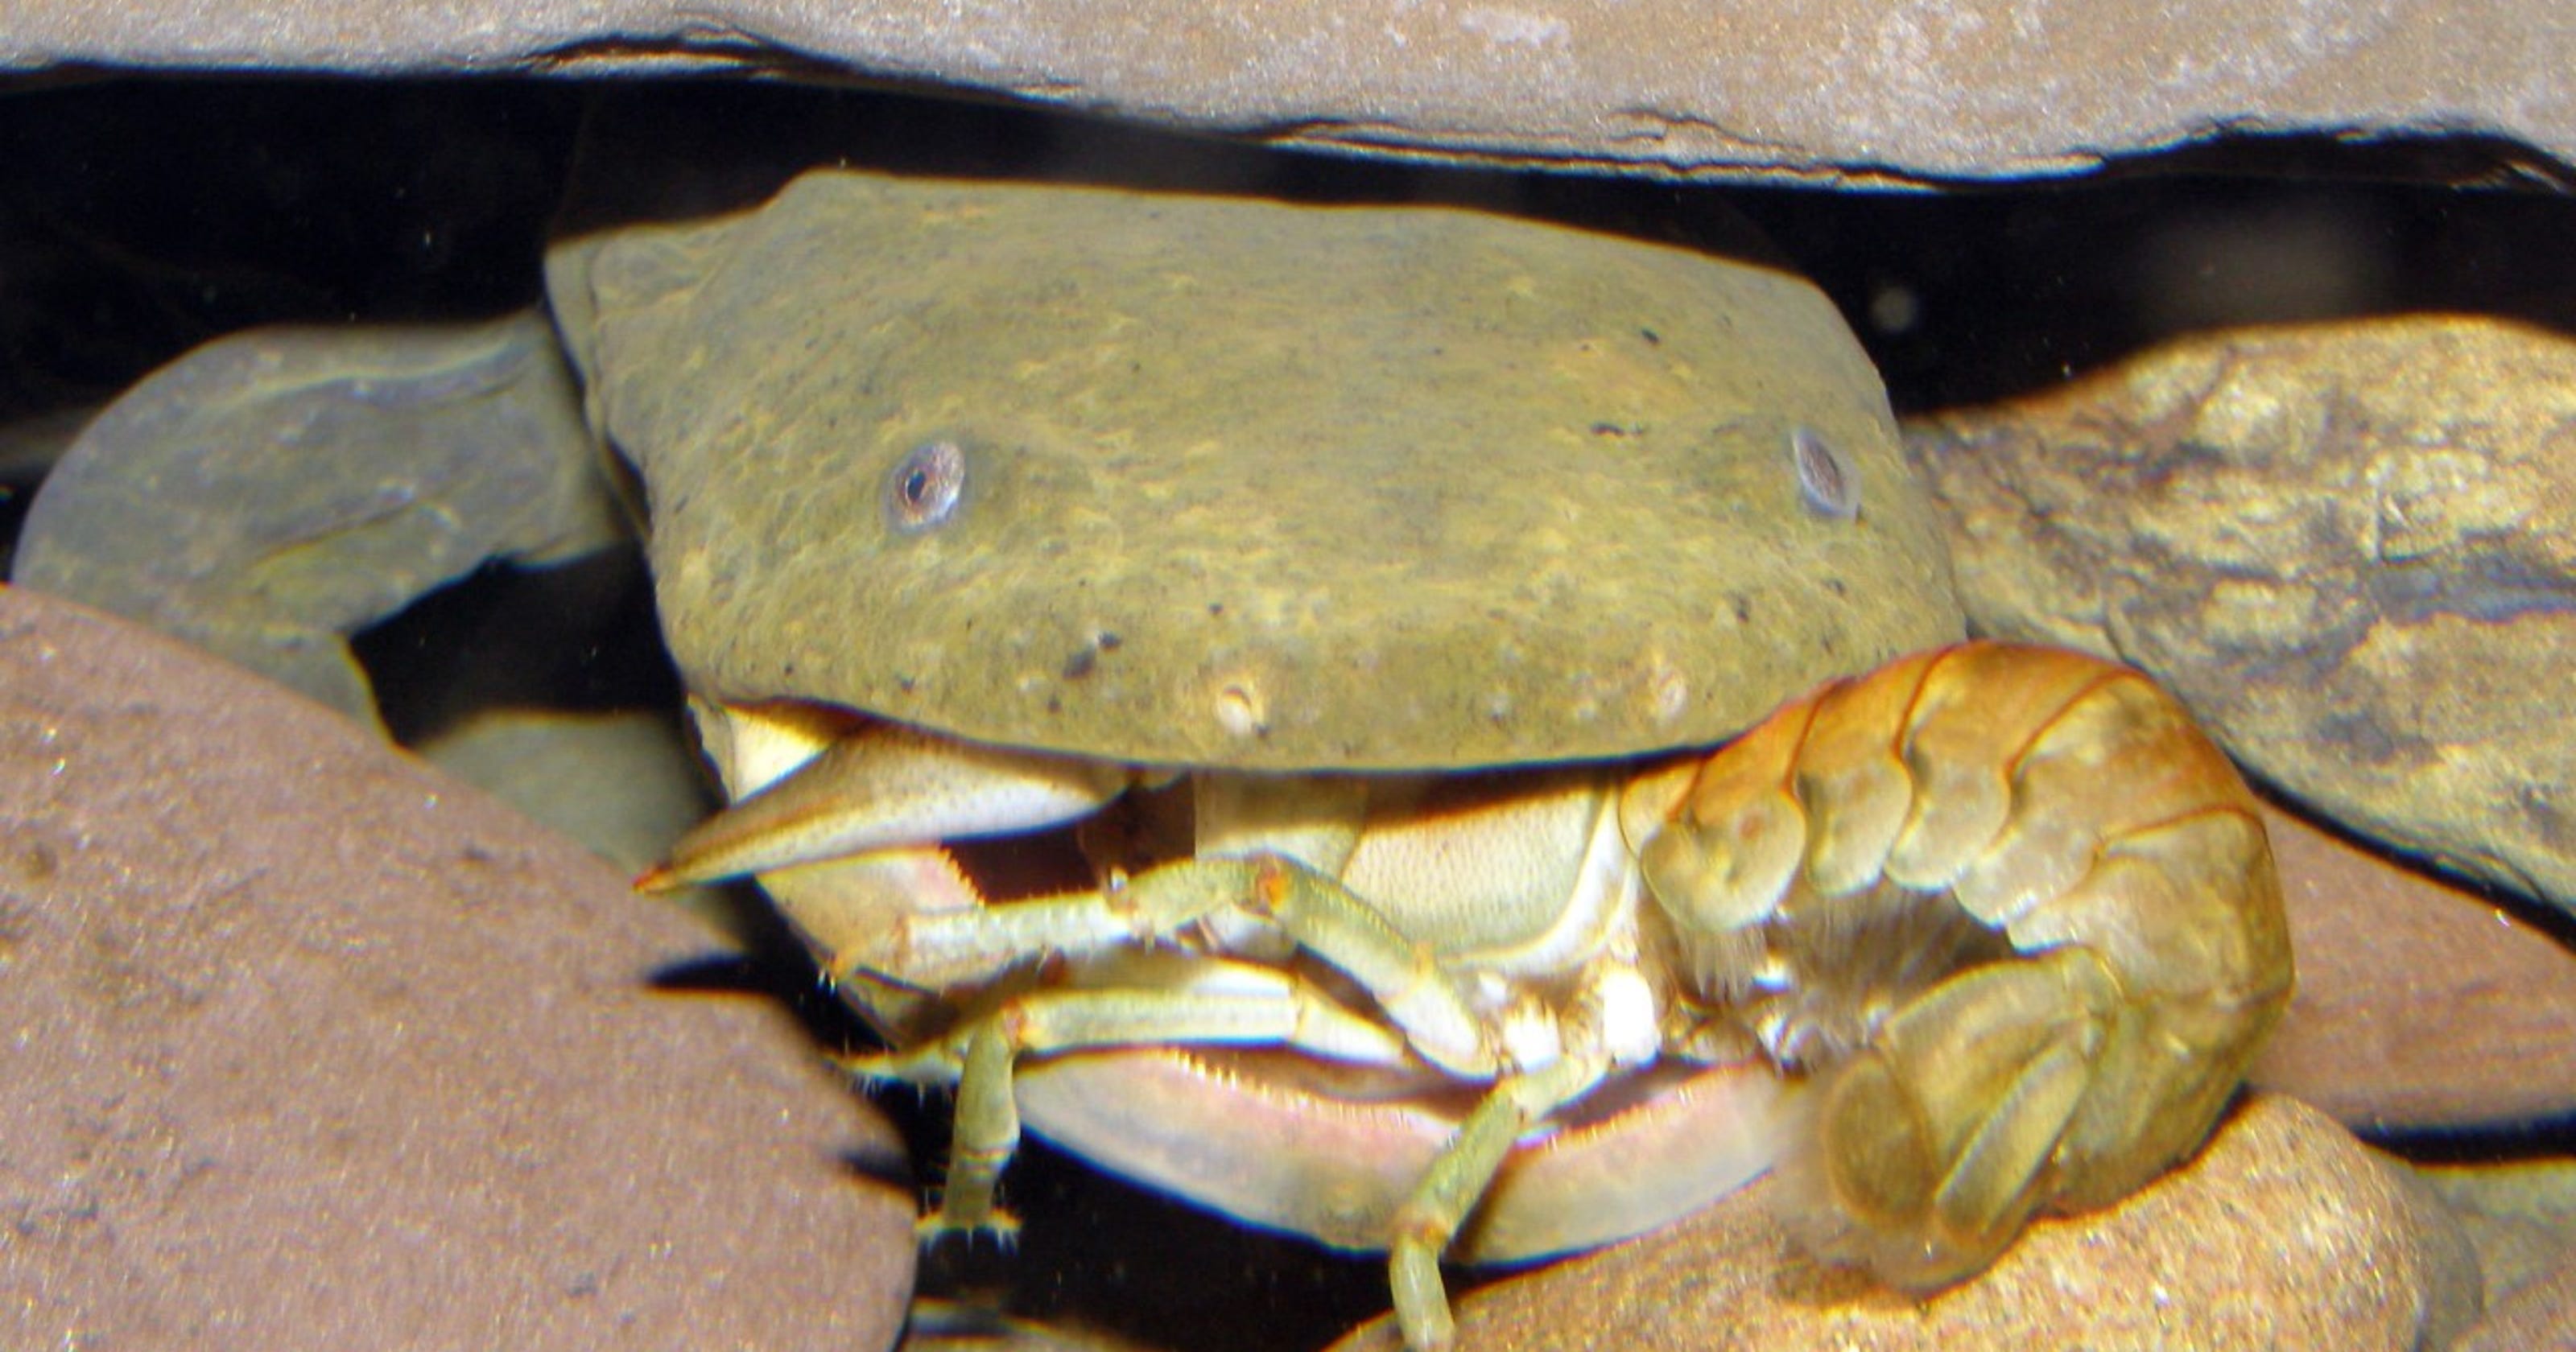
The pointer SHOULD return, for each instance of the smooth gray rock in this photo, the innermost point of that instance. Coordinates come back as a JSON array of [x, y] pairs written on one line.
[[270, 493]]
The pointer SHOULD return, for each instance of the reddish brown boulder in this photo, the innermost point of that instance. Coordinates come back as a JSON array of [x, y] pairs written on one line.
[[2421, 1005], [308, 1046]]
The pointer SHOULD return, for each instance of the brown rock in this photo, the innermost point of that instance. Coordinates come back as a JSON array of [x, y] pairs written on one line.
[[310, 1047], [2540, 1314], [2285, 1233], [2350, 548], [1965, 89], [2421, 1005]]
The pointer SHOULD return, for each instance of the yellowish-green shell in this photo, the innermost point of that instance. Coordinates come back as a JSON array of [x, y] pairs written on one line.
[[1243, 483]]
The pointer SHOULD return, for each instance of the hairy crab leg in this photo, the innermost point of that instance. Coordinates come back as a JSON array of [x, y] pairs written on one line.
[[1327, 919], [1613, 1024]]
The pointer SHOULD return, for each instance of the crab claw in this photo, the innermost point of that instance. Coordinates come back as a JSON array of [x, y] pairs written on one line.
[[883, 786]]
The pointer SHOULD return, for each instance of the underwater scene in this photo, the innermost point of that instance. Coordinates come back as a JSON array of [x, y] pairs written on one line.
[[700, 714]]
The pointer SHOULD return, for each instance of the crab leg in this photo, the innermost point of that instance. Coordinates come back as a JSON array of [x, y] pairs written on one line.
[[1458, 1180], [1327, 919], [1614, 1025], [1216, 1002], [1610, 1029]]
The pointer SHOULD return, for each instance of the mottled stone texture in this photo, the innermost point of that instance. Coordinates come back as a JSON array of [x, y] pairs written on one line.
[[1783, 88], [2350, 548], [309, 1047]]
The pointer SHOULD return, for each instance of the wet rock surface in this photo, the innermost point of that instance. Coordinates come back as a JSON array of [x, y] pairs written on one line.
[[2521, 1217], [2350, 548], [2284, 1233], [1965, 89], [2421, 1005], [626, 784], [271, 493], [311, 1047]]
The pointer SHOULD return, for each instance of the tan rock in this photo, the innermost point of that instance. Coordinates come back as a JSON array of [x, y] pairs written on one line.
[[626, 784], [2421, 1005], [1963, 89], [2351, 548], [309, 1047], [2285, 1234]]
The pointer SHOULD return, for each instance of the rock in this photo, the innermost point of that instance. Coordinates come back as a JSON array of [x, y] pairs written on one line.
[[2421, 1006], [311, 1047], [193, 504], [944, 1326], [1904, 93], [2284, 1233], [625, 784], [2541, 1313], [2350, 548], [2521, 1216]]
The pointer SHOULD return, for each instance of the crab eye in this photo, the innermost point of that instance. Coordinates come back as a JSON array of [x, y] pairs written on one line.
[[926, 485], [1828, 485]]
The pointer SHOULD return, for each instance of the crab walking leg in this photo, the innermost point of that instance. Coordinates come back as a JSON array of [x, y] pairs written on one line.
[[1226, 1003], [929, 933], [1459, 1178], [1337, 925], [909, 917]]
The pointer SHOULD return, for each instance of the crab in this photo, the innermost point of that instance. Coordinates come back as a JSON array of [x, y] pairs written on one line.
[[2007, 906], [1346, 578]]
